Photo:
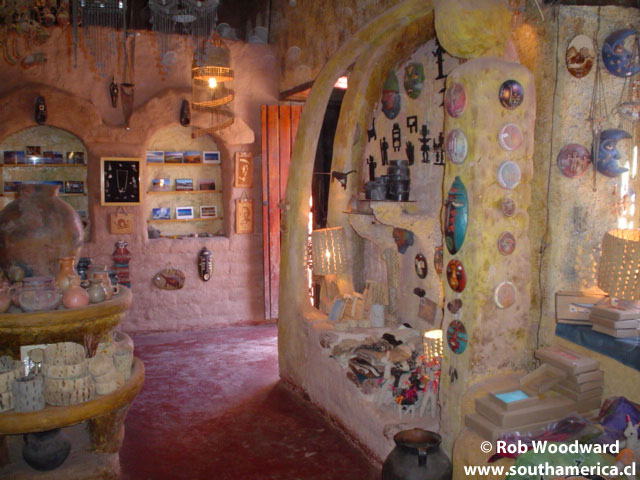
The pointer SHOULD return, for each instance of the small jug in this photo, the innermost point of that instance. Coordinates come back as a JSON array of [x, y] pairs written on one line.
[[97, 292]]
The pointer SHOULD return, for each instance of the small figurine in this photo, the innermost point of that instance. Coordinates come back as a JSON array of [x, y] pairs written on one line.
[[205, 264], [41, 110], [114, 91]]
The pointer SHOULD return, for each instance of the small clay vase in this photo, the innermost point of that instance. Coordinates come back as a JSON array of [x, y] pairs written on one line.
[[75, 296], [97, 292], [46, 450], [66, 274], [417, 456]]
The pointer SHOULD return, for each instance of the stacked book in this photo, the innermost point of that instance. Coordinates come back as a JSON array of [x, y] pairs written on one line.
[[615, 321]]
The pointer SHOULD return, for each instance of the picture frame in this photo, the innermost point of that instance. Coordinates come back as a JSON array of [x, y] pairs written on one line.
[[161, 213], [184, 184], [33, 160], [173, 157], [184, 213], [155, 156], [212, 158], [244, 215], [119, 181], [206, 184], [208, 211], [10, 187], [73, 186], [11, 157], [161, 185], [243, 170], [33, 150], [76, 158], [191, 156], [52, 157]]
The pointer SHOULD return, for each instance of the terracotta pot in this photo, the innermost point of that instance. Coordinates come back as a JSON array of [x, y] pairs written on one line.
[[37, 229], [75, 297], [417, 456], [67, 274], [46, 450]]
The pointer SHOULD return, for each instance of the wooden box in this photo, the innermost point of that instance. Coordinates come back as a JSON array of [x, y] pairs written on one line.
[[575, 306], [542, 379], [567, 360]]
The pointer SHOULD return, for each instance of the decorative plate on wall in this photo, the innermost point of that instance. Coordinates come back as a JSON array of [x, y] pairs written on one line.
[[580, 56], [457, 146], [438, 260], [510, 137], [413, 79], [506, 243], [456, 276], [391, 96], [457, 337], [505, 294], [456, 213], [618, 59], [508, 207], [455, 100], [454, 305], [508, 175], [573, 160], [420, 264], [169, 279], [511, 94]]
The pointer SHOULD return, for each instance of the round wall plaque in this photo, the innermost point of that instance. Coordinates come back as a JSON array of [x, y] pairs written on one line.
[[455, 100], [508, 175], [505, 294], [420, 264], [506, 243], [508, 207], [580, 56], [457, 337], [510, 137], [454, 305], [456, 276], [457, 146], [438, 261], [573, 160], [511, 94]]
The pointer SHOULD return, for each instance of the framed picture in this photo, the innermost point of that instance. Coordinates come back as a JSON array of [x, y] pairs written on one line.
[[72, 186], [10, 187], [161, 184], [75, 157], [34, 150], [208, 211], [244, 215], [34, 160], [161, 213], [155, 156], [211, 157], [173, 157], [119, 181], [244, 170], [191, 156], [52, 157], [184, 213], [206, 184], [184, 184], [13, 156]]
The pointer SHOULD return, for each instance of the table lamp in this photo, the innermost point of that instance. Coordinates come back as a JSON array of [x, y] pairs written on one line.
[[618, 274], [328, 250], [432, 346]]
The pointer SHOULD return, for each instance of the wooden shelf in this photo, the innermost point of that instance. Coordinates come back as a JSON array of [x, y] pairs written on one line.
[[43, 165], [188, 192], [174, 220], [13, 194], [184, 164]]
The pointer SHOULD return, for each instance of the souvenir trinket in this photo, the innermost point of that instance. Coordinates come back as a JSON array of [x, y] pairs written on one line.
[[608, 155], [454, 305], [391, 96], [403, 238], [169, 279], [205, 264], [505, 295], [511, 94], [510, 137], [420, 292], [506, 243], [508, 207], [438, 261], [457, 337], [456, 276], [185, 114], [114, 91], [420, 264], [616, 58], [413, 79], [580, 56], [457, 146], [41, 110], [456, 213], [573, 160], [509, 175], [455, 100], [121, 257]]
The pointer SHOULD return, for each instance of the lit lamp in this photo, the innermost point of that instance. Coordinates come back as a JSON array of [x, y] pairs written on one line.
[[620, 264], [328, 250], [432, 346]]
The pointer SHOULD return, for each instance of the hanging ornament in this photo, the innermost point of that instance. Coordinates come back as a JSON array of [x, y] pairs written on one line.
[[113, 91], [617, 59], [101, 22], [205, 264], [41, 110], [608, 154], [580, 56], [185, 114]]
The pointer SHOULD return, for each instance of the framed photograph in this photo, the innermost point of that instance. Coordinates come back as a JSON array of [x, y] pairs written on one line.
[[155, 156], [192, 157], [10, 187], [13, 156], [119, 181], [173, 157], [73, 186], [244, 170], [211, 157], [208, 211], [184, 184], [184, 213], [52, 157], [161, 213], [34, 150], [34, 160], [161, 184], [206, 184], [76, 158], [244, 215], [59, 183]]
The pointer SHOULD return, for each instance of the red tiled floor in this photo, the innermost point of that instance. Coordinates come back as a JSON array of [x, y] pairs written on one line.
[[212, 407]]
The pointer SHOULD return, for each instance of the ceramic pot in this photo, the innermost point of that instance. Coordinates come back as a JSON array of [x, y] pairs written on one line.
[[5, 299], [46, 450], [97, 292], [103, 278], [417, 456], [38, 228], [75, 296], [38, 294], [67, 273]]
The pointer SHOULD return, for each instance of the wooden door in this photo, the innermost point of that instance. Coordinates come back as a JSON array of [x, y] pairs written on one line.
[[279, 126]]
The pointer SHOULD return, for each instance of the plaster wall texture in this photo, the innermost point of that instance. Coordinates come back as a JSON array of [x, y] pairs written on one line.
[[78, 101]]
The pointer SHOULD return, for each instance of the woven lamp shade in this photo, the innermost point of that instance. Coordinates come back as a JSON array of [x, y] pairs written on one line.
[[620, 264], [329, 251], [432, 345]]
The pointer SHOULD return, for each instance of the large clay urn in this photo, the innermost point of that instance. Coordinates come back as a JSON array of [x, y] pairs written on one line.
[[37, 229]]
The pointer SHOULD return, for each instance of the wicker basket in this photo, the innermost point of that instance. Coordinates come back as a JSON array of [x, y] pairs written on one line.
[[123, 361], [65, 353], [28, 393], [60, 391], [8, 375]]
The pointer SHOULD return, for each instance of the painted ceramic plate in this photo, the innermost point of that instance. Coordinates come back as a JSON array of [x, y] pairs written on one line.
[[574, 160], [457, 146], [508, 207], [511, 94], [456, 213], [506, 243], [454, 305], [580, 56], [413, 79], [457, 337], [616, 57], [508, 175], [456, 276], [505, 294], [455, 100], [169, 279], [420, 264], [391, 96], [438, 261], [510, 137]]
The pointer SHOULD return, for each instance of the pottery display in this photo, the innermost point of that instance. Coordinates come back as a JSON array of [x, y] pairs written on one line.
[[75, 296], [46, 450], [69, 391], [508, 175], [66, 274], [109, 289], [97, 292], [28, 393], [38, 228], [38, 294], [5, 299], [417, 456]]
